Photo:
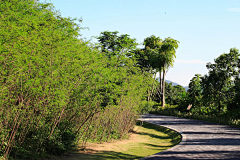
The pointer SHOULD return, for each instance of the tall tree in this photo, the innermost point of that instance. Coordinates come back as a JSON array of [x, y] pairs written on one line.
[[152, 44], [167, 53], [162, 54]]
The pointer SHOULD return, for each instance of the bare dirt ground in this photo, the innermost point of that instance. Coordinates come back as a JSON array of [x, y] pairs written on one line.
[[143, 141], [115, 145]]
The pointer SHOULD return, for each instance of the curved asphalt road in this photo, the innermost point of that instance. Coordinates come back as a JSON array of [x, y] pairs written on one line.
[[200, 140]]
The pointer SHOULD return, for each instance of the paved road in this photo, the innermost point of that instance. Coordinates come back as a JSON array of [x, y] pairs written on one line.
[[201, 140]]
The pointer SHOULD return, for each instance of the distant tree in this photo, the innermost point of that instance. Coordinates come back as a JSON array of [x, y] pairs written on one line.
[[166, 56], [145, 60], [195, 91], [162, 54], [235, 105], [173, 93], [170, 93]]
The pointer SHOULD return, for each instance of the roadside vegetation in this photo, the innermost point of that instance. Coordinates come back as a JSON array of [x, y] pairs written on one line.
[[217, 118], [59, 90], [145, 139], [212, 97]]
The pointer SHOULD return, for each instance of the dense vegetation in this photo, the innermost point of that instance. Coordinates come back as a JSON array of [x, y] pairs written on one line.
[[214, 96], [157, 57], [57, 89], [218, 91]]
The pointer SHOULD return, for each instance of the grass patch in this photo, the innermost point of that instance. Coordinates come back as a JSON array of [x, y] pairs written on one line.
[[146, 139]]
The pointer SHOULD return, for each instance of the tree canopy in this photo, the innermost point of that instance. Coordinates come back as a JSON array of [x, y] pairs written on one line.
[[162, 54]]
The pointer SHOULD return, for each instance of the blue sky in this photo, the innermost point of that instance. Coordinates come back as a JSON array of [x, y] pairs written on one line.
[[205, 28]]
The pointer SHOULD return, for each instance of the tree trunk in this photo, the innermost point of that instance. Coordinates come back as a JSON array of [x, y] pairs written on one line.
[[149, 94], [163, 87], [153, 86], [160, 82]]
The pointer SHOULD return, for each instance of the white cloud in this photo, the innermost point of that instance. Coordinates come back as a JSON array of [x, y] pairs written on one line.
[[194, 61], [234, 9]]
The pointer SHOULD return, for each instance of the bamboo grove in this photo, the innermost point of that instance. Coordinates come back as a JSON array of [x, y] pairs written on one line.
[[58, 90]]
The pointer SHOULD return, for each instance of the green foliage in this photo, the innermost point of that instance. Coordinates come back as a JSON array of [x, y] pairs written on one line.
[[153, 42], [144, 58], [162, 54], [152, 48], [147, 106], [112, 44], [168, 52], [195, 91], [218, 91], [221, 119], [237, 94], [174, 94], [214, 97], [56, 89], [217, 85]]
